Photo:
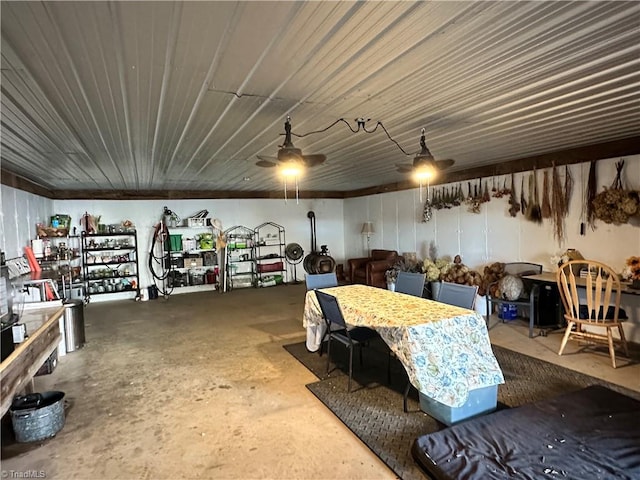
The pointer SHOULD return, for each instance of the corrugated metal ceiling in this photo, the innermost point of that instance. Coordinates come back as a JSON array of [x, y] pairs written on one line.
[[184, 95]]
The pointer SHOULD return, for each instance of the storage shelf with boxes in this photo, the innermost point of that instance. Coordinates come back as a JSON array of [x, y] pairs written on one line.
[[193, 259]]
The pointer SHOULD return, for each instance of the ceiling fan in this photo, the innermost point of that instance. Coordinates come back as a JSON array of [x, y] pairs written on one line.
[[288, 154], [423, 162]]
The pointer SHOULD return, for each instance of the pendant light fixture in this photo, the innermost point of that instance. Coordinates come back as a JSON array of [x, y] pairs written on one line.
[[292, 163], [291, 170], [424, 167]]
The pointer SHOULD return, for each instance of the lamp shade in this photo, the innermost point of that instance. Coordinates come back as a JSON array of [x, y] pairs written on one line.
[[367, 228]]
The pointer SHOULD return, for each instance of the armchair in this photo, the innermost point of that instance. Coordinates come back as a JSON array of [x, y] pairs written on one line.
[[371, 270]]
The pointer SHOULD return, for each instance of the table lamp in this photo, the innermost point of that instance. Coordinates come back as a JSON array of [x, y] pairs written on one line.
[[367, 229]]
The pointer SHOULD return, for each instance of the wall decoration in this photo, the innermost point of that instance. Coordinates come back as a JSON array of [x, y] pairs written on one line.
[[616, 204]]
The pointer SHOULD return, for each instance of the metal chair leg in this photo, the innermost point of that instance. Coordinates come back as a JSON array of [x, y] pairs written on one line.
[[350, 367], [405, 397], [322, 345]]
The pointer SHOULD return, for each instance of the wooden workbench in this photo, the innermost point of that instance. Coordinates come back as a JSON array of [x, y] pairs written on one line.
[[18, 369]]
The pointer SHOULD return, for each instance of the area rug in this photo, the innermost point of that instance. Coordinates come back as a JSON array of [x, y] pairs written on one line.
[[373, 410]]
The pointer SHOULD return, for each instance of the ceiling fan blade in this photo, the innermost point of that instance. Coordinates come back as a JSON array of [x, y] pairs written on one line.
[[444, 163], [313, 160], [404, 168], [287, 154], [263, 162]]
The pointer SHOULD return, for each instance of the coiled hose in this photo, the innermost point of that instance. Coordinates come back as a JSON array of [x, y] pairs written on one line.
[[160, 234]]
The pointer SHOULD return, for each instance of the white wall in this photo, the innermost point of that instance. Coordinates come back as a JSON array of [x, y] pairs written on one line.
[[249, 213], [20, 211], [481, 238], [493, 235]]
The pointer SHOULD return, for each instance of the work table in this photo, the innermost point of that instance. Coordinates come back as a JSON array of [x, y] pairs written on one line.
[[18, 369]]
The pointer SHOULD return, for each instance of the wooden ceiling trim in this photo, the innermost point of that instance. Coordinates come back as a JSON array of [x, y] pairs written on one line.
[[10, 179], [601, 151], [616, 148], [185, 194]]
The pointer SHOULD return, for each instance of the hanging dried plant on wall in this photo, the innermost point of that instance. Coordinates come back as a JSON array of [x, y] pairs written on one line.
[[475, 200], [436, 203], [546, 203], [514, 205], [615, 204], [426, 211], [460, 195], [533, 213], [568, 189], [523, 201], [592, 190], [495, 191], [485, 195], [558, 205], [507, 191]]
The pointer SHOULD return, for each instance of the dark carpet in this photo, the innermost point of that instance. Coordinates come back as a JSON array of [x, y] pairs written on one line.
[[373, 409]]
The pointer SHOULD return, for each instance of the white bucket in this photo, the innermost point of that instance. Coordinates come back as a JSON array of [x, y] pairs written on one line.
[[144, 294]]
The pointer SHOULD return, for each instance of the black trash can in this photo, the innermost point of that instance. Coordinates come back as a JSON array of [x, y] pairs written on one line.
[[74, 324], [37, 416]]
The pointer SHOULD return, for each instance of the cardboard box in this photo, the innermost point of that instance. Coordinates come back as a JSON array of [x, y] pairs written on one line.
[[193, 262]]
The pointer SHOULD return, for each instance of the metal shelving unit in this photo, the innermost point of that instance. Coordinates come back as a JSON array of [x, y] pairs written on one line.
[[271, 268], [63, 265], [180, 278], [110, 263], [240, 260]]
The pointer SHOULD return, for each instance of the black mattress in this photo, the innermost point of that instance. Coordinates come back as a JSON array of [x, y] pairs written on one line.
[[593, 433]]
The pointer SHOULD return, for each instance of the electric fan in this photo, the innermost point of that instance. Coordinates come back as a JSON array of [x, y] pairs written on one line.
[[293, 253]]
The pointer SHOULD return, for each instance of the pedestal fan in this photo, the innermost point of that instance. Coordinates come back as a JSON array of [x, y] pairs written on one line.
[[293, 253]]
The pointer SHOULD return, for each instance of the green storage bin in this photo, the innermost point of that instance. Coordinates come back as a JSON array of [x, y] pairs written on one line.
[[175, 243]]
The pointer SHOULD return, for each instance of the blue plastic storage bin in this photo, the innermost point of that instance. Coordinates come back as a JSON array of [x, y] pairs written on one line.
[[481, 400], [508, 311]]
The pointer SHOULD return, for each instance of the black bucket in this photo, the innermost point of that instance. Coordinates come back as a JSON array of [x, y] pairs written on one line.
[[37, 416], [153, 292]]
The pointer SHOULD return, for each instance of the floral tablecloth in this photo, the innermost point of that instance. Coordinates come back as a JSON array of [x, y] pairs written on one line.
[[445, 349]]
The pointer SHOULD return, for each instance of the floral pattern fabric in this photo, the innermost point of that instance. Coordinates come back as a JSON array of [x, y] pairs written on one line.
[[445, 349]]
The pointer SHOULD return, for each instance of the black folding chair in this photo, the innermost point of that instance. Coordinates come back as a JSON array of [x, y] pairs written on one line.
[[321, 280], [355, 337]]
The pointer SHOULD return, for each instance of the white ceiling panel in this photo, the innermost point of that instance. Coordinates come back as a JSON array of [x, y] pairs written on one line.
[[184, 95]]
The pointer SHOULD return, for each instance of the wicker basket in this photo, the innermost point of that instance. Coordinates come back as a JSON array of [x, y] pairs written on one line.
[[52, 231]]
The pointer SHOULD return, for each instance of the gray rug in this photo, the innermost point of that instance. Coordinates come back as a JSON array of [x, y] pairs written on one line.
[[373, 409]]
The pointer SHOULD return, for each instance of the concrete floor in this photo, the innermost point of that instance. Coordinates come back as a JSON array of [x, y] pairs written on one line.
[[199, 386]]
